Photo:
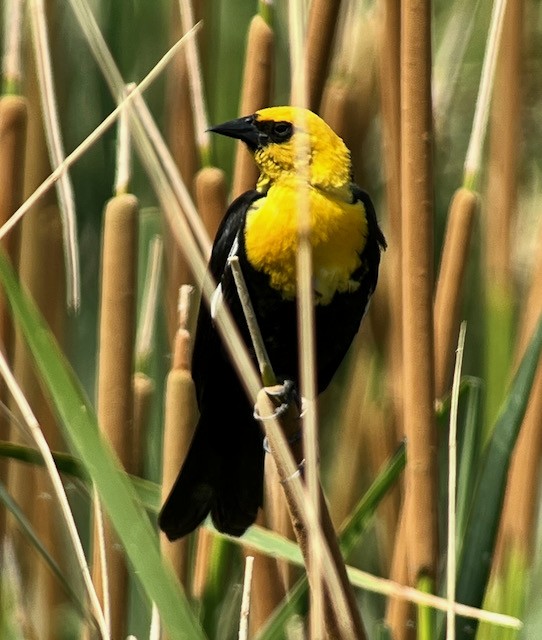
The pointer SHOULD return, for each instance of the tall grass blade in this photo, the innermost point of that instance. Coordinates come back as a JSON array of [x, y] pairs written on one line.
[[479, 541], [118, 498]]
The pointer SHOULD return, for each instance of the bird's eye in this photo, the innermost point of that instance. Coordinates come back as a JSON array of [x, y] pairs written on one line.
[[281, 131]]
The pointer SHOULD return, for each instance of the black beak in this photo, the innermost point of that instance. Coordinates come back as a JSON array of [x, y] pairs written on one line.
[[242, 129]]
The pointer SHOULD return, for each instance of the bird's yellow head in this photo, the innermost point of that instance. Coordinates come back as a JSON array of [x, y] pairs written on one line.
[[293, 142]]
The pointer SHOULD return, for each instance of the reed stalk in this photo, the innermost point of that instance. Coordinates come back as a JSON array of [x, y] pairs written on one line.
[[448, 298], [256, 94], [180, 416], [417, 249], [115, 402], [500, 209], [321, 25], [210, 197], [389, 49], [13, 121]]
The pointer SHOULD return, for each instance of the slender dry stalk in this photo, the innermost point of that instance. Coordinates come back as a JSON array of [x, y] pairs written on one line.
[[180, 415], [182, 144], [501, 201], [13, 119], [268, 590], [389, 50], [451, 561], [417, 249], [115, 402], [399, 613], [41, 244], [13, 123], [245, 602], [449, 287], [211, 197], [66, 198], [322, 20], [255, 94], [58, 488]]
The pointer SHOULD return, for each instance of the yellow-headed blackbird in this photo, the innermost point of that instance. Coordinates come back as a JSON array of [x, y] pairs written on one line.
[[223, 471]]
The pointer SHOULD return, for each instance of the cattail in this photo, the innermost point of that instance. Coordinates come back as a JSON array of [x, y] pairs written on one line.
[[256, 94], [450, 283], [210, 196], [115, 370], [417, 250]]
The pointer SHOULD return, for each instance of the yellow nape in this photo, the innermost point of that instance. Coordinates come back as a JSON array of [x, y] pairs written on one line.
[[327, 159], [338, 232]]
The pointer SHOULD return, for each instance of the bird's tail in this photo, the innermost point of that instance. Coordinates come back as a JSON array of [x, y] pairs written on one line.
[[222, 475]]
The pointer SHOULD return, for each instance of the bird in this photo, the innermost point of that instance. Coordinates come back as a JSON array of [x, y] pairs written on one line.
[[222, 474]]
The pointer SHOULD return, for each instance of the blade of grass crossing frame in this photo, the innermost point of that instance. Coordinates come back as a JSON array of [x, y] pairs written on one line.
[[118, 498], [26, 527], [479, 540]]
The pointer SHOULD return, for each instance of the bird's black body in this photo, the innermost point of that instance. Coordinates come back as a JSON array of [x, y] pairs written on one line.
[[223, 472]]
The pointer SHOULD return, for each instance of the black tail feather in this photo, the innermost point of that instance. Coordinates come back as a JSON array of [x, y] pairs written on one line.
[[222, 475]]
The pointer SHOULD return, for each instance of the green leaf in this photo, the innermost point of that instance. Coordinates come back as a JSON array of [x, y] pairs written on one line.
[[116, 493], [479, 541], [27, 529]]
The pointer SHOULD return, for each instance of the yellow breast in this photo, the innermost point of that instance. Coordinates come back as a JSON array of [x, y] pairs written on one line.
[[338, 234]]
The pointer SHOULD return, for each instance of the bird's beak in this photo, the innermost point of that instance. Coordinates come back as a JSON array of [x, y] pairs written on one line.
[[242, 129]]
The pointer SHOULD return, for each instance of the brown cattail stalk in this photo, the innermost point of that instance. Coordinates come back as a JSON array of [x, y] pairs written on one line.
[[450, 284], [417, 249], [323, 17], [13, 120], [399, 613], [256, 94], [115, 370], [41, 244], [501, 203], [182, 144], [180, 415], [390, 100], [211, 198]]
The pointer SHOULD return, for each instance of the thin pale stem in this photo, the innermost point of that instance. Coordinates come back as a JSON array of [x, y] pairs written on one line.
[[481, 113], [452, 487], [35, 430], [53, 134]]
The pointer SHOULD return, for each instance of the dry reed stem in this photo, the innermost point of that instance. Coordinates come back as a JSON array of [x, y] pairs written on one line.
[[204, 549], [449, 286], [245, 601], [179, 421], [143, 394], [399, 612], [115, 402], [323, 16], [13, 120], [501, 195], [211, 197], [350, 445], [518, 523], [278, 519], [339, 623], [417, 249], [41, 244], [13, 123], [389, 49], [255, 94], [268, 591], [182, 144]]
